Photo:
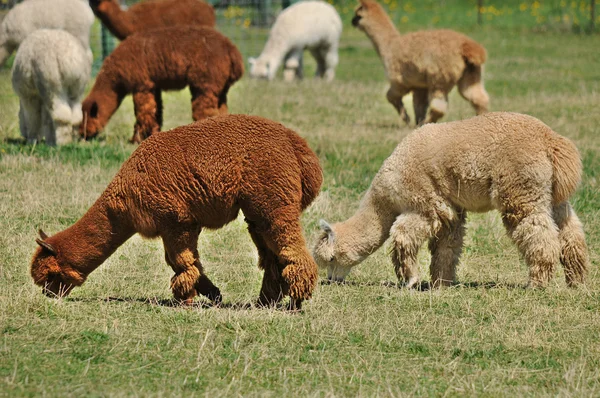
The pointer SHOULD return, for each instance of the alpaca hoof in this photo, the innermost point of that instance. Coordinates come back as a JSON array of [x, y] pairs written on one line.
[[404, 116], [295, 305], [215, 297]]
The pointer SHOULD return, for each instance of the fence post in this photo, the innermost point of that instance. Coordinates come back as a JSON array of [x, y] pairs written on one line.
[[107, 42], [593, 15], [479, 16]]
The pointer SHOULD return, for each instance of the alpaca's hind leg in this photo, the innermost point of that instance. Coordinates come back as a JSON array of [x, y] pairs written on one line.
[[573, 250], [274, 287], [204, 103], [318, 55], [330, 54], [394, 96], [420, 104], [532, 229], [445, 248], [470, 87], [6, 49], [181, 253], [30, 120], [408, 233], [146, 109], [438, 105]]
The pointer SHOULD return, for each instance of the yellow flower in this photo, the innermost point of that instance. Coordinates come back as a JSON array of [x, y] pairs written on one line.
[[435, 20], [247, 23], [523, 7], [404, 19]]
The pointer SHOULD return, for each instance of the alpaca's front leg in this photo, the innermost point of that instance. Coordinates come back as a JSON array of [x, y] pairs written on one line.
[[30, 120], [394, 96], [205, 102], [420, 104], [438, 105], [408, 233], [181, 254], [146, 111], [293, 66], [445, 248]]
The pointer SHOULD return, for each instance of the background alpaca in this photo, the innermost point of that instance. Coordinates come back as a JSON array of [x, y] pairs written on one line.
[[50, 72], [152, 14], [428, 63], [505, 161], [163, 59], [74, 16], [312, 25], [193, 177]]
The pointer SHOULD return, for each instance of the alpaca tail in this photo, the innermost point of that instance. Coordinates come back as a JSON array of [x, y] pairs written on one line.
[[567, 167], [311, 172], [473, 53]]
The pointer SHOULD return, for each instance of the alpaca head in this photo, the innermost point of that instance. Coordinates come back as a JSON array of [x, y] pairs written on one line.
[[57, 279], [367, 13], [260, 68], [332, 252], [91, 124]]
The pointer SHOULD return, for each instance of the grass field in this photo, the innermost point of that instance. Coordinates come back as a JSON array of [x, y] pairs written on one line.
[[120, 335]]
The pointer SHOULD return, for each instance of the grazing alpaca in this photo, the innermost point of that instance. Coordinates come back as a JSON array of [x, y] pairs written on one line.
[[146, 63], [50, 72], [152, 14], [312, 25], [193, 177], [428, 63], [73, 16], [506, 161]]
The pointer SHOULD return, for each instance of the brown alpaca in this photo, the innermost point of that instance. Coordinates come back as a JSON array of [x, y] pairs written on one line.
[[199, 176], [163, 59], [151, 15], [428, 63]]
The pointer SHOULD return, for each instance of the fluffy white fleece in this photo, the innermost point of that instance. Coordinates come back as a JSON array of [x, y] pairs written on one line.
[[74, 16], [312, 25], [49, 75]]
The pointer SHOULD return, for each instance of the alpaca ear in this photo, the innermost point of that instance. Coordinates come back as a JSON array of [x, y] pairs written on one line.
[[46, 246], [327, 228], [42, 234]]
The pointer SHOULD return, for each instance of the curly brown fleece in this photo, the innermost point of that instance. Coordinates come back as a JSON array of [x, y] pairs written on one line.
[[199, 176], [428, 63], [151, 15], [146, 63]]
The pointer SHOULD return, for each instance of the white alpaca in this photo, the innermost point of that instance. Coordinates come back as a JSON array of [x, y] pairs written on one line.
[[312, 25], [49, 75], [506, 161], [74, 16]]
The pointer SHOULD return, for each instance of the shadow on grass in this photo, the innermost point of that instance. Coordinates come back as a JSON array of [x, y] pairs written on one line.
[[426, 286], [173, 303]]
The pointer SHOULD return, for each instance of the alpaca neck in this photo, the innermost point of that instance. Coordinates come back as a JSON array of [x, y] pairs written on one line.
[[108, 95], [115, 19], [366, 230], [91, 240], [382, 34]]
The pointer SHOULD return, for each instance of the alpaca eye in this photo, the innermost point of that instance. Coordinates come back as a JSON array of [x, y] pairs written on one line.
[[331, 259]]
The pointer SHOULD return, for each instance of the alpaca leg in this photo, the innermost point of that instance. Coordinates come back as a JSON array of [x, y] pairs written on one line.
[[420, 104], [30, 119], [331, 61], [536, 236], [58, 121], [318, 55], [408, 234], [181, 253], [394, 96], [573, 250], [274, 287], [159, 108], [204, 103], [445, 248], [280, 229], [146, 109], [470, 87], [438, 105], [293, 65]]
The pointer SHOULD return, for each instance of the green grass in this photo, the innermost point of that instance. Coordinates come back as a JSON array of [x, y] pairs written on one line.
[[119, 335]]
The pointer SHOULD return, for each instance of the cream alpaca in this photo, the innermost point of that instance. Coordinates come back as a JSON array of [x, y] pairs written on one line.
[[312, 25], [49, 75], [506, 161], [428, 63], [74, 16]]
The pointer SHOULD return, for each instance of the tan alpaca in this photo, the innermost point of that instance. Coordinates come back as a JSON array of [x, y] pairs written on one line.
[[428, 63], [506, 161]]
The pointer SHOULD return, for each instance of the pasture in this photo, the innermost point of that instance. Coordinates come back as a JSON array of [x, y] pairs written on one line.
[[120, 334]]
